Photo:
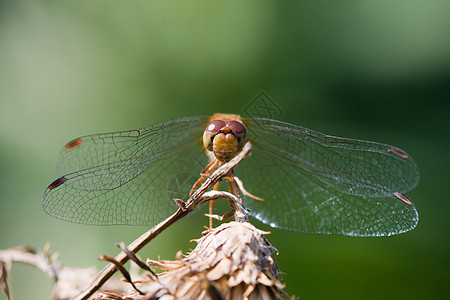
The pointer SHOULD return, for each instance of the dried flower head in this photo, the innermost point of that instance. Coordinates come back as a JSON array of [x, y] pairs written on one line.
[[232, 261]]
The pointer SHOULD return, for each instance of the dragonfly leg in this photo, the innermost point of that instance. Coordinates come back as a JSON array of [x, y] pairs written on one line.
[[211, 206], [239, 183], [210, 168], [235, 191], [204, 174], [234, 188], [197, 184]]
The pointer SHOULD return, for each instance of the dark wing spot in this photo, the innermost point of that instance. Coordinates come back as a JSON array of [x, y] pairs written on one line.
[[73, 143], [402, 197], [399, 152], [57, 183]]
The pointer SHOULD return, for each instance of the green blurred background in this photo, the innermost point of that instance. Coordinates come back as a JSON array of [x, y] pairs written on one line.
[[376, 70]]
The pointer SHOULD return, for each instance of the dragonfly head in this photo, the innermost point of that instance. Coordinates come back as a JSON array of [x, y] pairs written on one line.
[[225, 138]]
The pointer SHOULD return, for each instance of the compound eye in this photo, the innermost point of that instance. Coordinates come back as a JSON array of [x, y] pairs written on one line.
[[210, 132], [237, 128], [215, 126], [239, 132]]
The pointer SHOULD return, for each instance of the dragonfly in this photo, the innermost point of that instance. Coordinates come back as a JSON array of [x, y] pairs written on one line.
[[305, 181]]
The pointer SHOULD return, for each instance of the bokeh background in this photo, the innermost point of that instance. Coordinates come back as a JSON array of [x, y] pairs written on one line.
[[376, 70]]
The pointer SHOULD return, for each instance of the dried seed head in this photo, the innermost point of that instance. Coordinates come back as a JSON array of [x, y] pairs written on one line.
[[232, 261]]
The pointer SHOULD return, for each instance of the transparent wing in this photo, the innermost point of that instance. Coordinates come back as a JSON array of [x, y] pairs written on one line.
[[315, 183], [127, 177], [352, 166]]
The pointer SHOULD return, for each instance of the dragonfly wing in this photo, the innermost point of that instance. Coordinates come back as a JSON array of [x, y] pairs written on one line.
[[306, 184], [116, 147], [295, 200], [133, 179], [352, 166]]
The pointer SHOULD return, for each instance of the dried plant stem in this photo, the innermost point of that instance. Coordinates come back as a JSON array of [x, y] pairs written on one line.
[[29, 256], [25, 255], [197, 198]]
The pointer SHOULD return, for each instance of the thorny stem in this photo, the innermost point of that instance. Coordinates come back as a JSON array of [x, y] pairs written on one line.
[[196, 199]]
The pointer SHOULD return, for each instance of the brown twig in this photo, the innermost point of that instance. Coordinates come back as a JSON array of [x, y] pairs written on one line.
[[195, 200], [25, 255], [29, 256], [238, 210], [4, 280], [136, 259], [121, 269]]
